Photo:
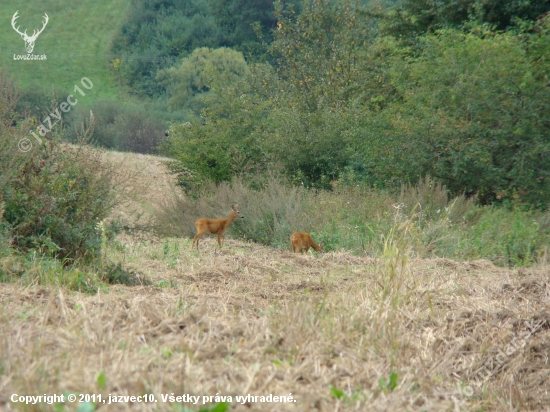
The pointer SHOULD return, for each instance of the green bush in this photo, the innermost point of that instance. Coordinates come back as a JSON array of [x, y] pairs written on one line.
[[416, 17], [57, 199], [508, 237], [470, 114], [53, 196]]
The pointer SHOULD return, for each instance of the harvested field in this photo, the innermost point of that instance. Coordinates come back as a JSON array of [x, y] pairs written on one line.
[[330, 330]]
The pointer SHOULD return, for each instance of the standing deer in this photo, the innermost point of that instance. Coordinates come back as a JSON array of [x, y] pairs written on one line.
[[301, 240], [215, 226], [29, 40]]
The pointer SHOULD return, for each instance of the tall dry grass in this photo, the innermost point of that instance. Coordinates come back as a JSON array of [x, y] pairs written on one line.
[[271, 213], [357, 219]]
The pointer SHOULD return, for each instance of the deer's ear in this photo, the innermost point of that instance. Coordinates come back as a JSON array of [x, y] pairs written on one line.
[[23, 36], [234, 207]]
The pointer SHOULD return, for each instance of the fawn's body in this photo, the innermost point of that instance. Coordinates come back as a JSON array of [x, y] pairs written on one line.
[[301, 240], [215, 226]]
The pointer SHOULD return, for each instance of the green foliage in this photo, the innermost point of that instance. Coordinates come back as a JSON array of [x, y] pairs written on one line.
[[189, 84], [33, 269], [101, 380], [312, 148], [236, 20], [57, 216], [337, 393], [157, 32], [53, 196], [417, 17], [218, 407], [224, 142], [470, 115], [321, 58], [390, 384], [327, 68], [508, 238]]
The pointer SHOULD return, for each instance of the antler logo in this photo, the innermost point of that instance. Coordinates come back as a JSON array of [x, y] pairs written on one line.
[[29, 40]]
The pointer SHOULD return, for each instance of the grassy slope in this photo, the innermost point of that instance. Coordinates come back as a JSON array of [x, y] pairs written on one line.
[[76, 42]]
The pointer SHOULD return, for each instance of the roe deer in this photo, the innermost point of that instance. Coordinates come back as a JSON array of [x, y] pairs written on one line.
[[215, 226], [301, 240]]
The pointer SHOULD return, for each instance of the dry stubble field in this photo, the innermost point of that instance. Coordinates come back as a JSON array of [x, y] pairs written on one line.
[[329, 329]]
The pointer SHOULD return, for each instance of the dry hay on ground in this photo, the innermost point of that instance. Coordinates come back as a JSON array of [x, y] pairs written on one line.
[[256, 320], [143, 183]]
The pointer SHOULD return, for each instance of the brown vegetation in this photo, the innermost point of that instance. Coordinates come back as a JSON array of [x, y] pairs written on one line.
[[252, 319], [256, 320]]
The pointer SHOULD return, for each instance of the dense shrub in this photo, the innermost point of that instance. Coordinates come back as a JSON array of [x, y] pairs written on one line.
[[58, 197], [416, 17], [51, 196], [225, 142], [189, 82], [470, 114], [156, 33]]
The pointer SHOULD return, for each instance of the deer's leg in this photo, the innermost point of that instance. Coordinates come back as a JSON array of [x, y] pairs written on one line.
[[219, 240], [196, 239]]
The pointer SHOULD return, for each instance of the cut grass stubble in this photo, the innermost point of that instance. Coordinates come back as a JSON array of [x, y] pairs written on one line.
[[336, 331]]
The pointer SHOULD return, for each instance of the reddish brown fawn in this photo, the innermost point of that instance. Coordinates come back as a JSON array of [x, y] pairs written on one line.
[[301, 240], [215, 226]]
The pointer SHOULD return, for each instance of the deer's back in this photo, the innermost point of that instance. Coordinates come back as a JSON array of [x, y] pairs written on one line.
[[301, 239]]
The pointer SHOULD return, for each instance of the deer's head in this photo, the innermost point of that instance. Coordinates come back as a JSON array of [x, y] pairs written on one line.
[[29, 40], [236, 211]]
